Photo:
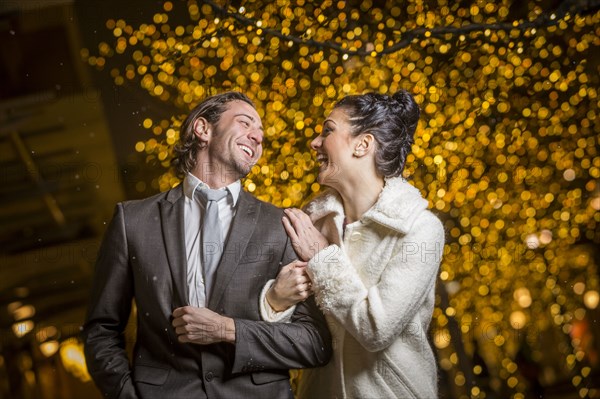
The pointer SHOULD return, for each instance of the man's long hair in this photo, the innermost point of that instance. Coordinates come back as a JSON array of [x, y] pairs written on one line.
[[211, 109]]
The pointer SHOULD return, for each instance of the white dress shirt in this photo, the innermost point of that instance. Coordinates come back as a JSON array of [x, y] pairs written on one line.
[[193, 214]]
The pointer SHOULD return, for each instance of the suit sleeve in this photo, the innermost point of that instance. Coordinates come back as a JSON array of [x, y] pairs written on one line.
[[108, 313], [303, 342]]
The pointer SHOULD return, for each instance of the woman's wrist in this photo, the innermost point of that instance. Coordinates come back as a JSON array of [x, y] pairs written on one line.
[[276, 304]]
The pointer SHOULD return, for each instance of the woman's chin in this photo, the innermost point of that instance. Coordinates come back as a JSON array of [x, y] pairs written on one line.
[[325, 178]]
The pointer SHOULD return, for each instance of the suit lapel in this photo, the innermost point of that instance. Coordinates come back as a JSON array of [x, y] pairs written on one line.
[[240, 233], [172, 213]]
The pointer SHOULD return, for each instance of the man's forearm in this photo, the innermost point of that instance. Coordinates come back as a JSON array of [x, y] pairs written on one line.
[[109, 310], [107, 361], [304, 342]]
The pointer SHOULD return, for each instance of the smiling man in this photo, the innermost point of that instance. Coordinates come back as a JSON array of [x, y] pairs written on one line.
[[194, 259]]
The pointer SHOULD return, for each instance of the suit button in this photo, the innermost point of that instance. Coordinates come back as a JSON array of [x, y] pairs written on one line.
[[355, 236], [209, 376]]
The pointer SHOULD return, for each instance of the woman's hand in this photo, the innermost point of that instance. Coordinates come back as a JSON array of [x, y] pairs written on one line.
[[292, 285], [306, 239]]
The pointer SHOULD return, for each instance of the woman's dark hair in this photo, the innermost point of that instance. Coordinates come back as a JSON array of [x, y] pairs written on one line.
[[188, 145], [392, 120]]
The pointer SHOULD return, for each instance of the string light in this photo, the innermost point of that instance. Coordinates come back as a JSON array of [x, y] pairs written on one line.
[[506, 150]]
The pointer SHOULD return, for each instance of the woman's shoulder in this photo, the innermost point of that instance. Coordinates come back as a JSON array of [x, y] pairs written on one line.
[[429, 222]]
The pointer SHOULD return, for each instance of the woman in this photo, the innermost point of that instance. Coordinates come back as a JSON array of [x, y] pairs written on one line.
[[373, 252]]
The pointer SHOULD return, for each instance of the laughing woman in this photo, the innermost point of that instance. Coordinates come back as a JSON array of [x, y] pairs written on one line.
[[372, 250]]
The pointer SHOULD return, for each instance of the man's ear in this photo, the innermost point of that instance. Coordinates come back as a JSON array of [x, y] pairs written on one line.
[[202, 130], [364, 144]]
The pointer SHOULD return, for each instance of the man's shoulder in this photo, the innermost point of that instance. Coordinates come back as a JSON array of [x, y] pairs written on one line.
[[266, 208], [139, 204]]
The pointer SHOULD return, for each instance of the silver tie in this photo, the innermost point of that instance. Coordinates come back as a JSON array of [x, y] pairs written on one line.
[[212, 235]]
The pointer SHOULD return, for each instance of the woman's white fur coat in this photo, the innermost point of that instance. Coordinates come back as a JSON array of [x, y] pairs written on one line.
[[375, 284]]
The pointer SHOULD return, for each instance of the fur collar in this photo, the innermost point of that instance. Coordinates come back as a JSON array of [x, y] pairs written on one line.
[[398, 206]]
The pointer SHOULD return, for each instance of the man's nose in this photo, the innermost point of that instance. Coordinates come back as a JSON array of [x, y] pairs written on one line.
[[256, 135]]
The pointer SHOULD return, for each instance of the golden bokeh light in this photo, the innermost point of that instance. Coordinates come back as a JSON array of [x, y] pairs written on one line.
[[73, 359], [506, 151]]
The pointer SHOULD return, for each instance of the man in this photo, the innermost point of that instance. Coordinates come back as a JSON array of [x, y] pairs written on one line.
[[199, 334]]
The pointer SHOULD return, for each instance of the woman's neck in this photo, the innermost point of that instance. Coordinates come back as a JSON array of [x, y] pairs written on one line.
[[359, 197]]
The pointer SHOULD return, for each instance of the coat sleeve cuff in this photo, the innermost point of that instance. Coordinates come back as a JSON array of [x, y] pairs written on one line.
[[266, 311], [335, 281]]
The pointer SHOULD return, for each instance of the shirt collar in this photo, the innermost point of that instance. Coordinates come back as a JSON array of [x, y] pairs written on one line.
[[191, 183]]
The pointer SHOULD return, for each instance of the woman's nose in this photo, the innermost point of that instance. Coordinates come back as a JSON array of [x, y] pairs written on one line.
[[316, 143]]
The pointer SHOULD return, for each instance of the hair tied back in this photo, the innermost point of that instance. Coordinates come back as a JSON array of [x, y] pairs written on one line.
[[401, 97]]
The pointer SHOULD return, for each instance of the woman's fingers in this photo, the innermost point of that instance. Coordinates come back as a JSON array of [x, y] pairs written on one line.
[[304, 290], [302, 233], [289, 229], [300, 264], [292, 285], [306, 286], [297, 278], [299, 216], [296, 218]]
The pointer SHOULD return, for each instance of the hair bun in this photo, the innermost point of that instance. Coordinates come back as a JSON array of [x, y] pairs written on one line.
[[403, 97], [408, 106]]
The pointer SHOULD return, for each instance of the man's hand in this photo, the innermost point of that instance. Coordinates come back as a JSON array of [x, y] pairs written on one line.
[[292, 285], [202, 326], [306, 239]]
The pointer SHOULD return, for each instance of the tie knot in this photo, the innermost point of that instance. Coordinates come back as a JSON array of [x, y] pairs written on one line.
[[206, 194]]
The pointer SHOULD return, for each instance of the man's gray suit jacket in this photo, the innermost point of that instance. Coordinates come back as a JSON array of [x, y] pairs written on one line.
[[142, 257]]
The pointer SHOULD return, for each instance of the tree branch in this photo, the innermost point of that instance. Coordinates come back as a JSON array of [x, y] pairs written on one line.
[[567, 7]]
